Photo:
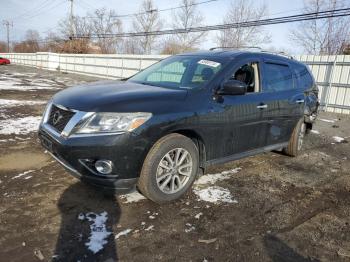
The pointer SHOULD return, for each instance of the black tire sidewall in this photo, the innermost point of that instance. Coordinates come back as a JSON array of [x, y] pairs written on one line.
[[167, 145]]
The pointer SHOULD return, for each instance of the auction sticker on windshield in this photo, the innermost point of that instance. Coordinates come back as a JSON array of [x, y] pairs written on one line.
[[208, 63]]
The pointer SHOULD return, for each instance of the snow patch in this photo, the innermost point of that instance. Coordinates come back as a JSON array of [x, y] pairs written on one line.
[[189, 228], [21, 126], [214, 194], [198, 215], [328, 120], [23, 174], [338, 139], [212, 178], [99, 233], [132, 197], [13, 103], [123, 233], [17, 84], [315, 132], [151, 227]]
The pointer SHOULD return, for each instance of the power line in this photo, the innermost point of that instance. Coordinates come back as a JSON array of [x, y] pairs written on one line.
[[262, 22], [165, 9], [34, 9], [159, 10], [270, 21], [43, 9]]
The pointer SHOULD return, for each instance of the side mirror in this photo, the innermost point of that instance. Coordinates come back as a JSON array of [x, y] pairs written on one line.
[[233, 87]]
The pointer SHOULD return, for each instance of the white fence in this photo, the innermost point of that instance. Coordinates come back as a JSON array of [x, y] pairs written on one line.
[[332, 73], [104, 66]]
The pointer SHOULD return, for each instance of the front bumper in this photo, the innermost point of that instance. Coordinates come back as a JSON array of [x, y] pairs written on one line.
[[127, 152]]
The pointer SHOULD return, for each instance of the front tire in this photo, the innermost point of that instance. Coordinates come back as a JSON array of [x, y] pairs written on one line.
[[296, 140], [169, 169]]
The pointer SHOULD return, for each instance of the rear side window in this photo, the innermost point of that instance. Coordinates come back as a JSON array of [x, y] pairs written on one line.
[[277, 77], [304, 77]]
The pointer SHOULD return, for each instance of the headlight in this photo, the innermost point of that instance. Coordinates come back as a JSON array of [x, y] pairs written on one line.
[[111, 122], [46, 112]]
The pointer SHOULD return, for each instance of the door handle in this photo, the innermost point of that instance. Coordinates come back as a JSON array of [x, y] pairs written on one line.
[[261, 106], [300, 101]]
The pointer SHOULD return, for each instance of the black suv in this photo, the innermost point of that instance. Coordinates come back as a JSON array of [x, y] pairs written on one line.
[[160, 127]]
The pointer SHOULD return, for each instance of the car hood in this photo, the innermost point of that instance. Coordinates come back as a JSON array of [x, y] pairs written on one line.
[[118, 96]]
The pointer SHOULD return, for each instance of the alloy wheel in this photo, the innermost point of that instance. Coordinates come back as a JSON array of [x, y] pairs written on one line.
[[174, 170]]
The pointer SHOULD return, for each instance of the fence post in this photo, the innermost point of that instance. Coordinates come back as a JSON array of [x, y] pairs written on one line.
[[330, 83]]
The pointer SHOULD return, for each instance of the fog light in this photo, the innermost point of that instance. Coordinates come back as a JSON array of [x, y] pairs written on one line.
[[104, 166]]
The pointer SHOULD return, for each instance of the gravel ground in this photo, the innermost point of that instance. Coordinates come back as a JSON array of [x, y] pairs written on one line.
[[268, 207]]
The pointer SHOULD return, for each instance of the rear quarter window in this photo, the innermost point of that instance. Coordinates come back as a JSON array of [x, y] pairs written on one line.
[[305, 80], [277, 77]]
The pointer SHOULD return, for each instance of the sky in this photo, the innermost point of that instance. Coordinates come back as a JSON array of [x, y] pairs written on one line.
[[43, 15]]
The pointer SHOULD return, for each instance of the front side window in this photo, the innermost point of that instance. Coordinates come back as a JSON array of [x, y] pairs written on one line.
[[277, 77], [180, 72], [248, 74]]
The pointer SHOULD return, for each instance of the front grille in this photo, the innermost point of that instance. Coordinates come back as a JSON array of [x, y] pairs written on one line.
[[59, 117]]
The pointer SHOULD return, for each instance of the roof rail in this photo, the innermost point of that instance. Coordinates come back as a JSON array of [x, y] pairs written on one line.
[[278, 53], [233, 47], [253, 47]]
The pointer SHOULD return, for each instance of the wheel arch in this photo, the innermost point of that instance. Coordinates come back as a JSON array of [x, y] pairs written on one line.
[[198, 140]]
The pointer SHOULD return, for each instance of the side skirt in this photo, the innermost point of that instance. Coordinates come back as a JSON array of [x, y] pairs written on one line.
[[245, 154]]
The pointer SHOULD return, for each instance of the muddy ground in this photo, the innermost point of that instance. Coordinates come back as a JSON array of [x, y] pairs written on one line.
[[280, 208]]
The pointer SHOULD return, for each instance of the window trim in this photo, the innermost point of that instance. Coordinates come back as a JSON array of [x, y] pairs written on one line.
[[279, 63], [241, 63]]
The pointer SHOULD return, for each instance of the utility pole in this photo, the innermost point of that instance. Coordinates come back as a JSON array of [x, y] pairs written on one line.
[[8, 24], [71, 18]]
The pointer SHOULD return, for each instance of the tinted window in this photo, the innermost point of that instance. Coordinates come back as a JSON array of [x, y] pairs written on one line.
[[203, 72], [277, 77], [180, 72], [304, 77], [170, 73], [245, 74]]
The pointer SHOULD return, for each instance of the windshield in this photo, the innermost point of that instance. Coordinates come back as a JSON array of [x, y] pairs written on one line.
[[179, 72]]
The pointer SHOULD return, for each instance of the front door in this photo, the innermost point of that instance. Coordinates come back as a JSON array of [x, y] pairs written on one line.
[[239, 117]]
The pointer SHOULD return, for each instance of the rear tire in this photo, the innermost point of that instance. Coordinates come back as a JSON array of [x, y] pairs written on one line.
[[169, 169], [296, 140]]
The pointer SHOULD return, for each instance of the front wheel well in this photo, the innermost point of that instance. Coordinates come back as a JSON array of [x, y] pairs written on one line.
[[196, 138]]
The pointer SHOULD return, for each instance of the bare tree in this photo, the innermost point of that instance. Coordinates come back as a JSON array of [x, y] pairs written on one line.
[[147, 20], [33, 40], [52, 43], [244, 11], [31, 44], [3, 47], [81, 27], [104, 22], [186, 17], [346, 49], [324, 36], [131, 45]]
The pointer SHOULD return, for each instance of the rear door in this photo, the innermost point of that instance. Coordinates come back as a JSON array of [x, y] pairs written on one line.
[[284, 102]]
